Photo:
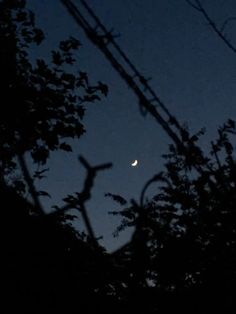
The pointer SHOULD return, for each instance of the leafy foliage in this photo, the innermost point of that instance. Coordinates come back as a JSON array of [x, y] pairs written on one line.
[[184, 239], [43, 103], [182, 253], [47, 263]]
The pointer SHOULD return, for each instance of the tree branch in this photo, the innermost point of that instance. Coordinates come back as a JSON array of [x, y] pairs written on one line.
[[226, 22], [199, 7], [82, 197], [30, 184]]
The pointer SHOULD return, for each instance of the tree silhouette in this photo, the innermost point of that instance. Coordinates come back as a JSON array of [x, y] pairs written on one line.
[[43, 103], [47, 264], [181, 257], [183, 247]]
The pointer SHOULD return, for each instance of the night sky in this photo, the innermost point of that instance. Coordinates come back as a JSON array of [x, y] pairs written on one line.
[[192, 71]]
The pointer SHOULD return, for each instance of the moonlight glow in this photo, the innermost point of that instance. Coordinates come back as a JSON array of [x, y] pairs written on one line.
[[134, 163]]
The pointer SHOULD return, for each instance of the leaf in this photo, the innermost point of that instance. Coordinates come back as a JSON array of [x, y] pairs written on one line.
[[43, 193], [231, 123], [65, 147], [40, 155], [228, 148], [19, 186], [71, 43], [91, 98], [38, 36], [21, 16], [57, 58], [83, 77], [103, 88], [39, 174], [80, 111], [117, 198]]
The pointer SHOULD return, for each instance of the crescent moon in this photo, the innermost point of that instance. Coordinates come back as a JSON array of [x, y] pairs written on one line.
[[134, 163]]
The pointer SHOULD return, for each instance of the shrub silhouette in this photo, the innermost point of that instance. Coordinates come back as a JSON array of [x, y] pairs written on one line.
[[184, 239]]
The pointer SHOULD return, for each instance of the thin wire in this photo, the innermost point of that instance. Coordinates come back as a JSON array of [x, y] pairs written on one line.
[[104, 47]]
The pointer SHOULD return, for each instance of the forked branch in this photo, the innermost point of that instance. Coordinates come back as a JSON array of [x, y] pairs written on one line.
[[197, 5]]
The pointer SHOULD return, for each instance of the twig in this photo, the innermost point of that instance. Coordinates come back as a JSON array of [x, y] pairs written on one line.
[[38, 207], [193, 5], [229, 19], [199, 7], [157, 177]]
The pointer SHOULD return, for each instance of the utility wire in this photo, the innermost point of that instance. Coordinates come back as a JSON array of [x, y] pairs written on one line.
[[106, 40]]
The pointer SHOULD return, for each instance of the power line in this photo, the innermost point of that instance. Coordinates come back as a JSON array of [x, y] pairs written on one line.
[[105, 41]]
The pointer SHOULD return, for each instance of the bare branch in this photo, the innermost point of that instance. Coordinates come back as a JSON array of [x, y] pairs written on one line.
[[199, 7], [84, 195], [158, 177], [30, 184], [193, 5], [226, 22], [86, 192], [84, 162]]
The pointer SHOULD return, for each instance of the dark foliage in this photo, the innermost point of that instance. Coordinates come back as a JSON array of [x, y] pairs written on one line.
[[182, 255], [43, 104], [183, 247], [47, 265]]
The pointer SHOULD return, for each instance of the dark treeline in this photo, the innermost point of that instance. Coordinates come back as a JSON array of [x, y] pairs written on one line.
[[182, 255]]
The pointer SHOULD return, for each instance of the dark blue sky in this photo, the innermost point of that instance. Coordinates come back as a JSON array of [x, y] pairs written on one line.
[[192, 71]]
